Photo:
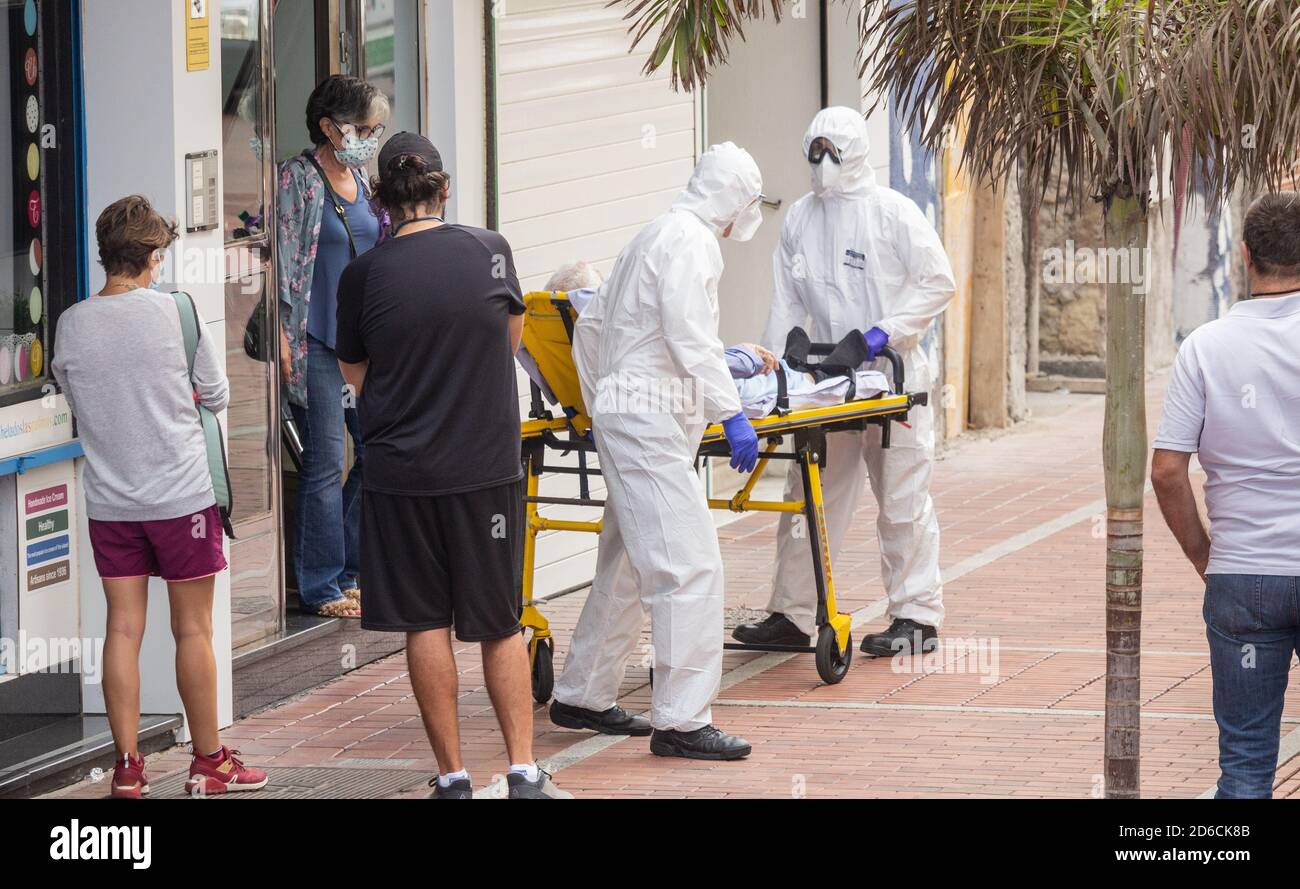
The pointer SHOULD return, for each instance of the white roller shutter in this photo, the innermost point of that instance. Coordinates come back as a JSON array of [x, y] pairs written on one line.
[[589, 151]]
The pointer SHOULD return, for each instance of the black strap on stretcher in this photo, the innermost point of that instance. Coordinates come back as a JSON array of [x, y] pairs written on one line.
[[840, 359]]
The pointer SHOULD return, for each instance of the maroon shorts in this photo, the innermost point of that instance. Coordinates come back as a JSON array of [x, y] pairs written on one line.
[[179, 549]]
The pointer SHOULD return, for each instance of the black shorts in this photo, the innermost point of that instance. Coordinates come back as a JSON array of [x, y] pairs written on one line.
[[442, 561]]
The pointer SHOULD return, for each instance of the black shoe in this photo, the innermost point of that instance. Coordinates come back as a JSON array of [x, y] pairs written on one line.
[[614, 721], [703, 743], [776, 630], [459, 789], [542, 788], [902, 637]]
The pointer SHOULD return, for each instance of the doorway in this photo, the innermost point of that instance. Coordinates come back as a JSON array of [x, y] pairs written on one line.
[[273, 53]]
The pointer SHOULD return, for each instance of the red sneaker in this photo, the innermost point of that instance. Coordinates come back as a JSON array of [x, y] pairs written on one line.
[[129, 779], [209, 776]]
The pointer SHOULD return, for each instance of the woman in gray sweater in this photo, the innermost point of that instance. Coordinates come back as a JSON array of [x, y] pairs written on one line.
[[120, 361]]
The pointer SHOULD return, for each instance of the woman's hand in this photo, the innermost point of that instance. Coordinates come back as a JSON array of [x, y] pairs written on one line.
[[770, 361], [286, 358]]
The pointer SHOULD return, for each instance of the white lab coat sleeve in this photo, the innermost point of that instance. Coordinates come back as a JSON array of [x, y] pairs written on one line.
[[788, 310], [690, 331], [929, 286]]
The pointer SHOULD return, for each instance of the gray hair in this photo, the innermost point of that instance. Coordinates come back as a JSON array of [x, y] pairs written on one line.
[[345, 99], [578, 275]]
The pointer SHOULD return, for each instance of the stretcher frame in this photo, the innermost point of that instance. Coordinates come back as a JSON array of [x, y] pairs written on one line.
[[567, 433]]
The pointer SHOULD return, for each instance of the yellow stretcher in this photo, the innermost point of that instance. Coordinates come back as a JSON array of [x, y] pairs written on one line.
[[548, 337]]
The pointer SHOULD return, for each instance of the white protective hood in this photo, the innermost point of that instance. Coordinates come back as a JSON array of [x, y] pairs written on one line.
[[847, 131], [725, 182]]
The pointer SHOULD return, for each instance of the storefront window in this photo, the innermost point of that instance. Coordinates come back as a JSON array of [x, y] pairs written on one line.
[[22, 302], [38, 256], [243, 135], [393, 58]]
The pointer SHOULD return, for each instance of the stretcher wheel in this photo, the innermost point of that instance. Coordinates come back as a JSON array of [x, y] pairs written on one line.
[[543, 672], [832, 664]]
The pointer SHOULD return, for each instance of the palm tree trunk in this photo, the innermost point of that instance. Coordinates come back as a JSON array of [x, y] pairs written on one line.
[[1124, 454]]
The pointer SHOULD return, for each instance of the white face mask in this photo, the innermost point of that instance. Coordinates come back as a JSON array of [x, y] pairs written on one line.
[[747, 223], [156, 272], [355, 151], [825, 175]]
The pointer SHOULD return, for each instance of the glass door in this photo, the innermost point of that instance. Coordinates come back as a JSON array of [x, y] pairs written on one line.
[[252, 424], [391, 54]]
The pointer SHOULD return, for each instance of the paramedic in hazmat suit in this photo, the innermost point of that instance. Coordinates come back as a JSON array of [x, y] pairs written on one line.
[[653, 375], [858, 256]]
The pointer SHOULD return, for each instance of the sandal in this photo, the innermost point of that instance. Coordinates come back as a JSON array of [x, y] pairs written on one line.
[[344, 608], [353, 593]]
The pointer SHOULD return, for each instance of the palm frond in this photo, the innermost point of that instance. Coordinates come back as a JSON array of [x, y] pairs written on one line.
[[1098, 90], [692, 36]]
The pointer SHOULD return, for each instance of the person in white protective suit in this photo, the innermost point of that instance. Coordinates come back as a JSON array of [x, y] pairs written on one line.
[[855, 255], [653, 376]]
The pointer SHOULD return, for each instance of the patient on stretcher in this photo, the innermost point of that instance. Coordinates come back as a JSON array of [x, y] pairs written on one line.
[[758, 391], [757, 387]]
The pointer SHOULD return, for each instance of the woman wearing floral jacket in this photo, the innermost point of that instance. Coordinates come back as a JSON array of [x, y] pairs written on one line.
[[324, 220]]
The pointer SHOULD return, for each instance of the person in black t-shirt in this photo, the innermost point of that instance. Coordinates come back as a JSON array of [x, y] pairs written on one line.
[[428, 323]]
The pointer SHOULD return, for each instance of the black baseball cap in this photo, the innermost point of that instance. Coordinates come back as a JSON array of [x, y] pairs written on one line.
[[404, 143]]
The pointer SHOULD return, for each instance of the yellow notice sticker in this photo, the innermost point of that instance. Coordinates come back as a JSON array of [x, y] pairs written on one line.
[[198, 50]]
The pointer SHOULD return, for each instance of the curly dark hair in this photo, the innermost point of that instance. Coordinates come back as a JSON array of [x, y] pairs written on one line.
[[129, 231], [408, 182], [345, 99]]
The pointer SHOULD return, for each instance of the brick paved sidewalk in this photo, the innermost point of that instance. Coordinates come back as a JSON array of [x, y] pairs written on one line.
[[1013, 709]]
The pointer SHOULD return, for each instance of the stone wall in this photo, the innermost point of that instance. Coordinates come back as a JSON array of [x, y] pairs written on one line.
[[1074, 264], [1072, 315]]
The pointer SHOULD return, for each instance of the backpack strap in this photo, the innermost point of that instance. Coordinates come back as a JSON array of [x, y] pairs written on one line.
[[213, 441], [189, 329]]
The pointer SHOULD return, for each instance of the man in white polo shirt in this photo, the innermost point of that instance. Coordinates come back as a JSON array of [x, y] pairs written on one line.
[[1234, 400]]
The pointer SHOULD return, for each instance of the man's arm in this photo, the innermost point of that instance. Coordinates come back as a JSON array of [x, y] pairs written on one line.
[[929, 287], [516, 331], [354, 374], [1173, 487], [690, 330]]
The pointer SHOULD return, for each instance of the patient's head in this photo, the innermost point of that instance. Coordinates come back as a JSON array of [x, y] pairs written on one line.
[[580, 275]]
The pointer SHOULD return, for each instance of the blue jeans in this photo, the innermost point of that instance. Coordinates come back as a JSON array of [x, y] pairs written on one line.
[[1253, 624], [327, 552]]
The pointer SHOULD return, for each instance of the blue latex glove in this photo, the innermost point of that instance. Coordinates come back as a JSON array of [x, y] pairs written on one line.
[[876, 340], [743, 440]]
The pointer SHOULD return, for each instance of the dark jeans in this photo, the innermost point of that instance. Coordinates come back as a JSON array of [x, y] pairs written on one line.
[[1253, 624], [327, 550]]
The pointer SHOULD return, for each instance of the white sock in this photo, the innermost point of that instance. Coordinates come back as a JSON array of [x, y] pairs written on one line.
[[530, 771], [444, 781]]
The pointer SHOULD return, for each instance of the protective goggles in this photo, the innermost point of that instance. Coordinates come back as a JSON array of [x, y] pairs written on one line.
[[819, 149]]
